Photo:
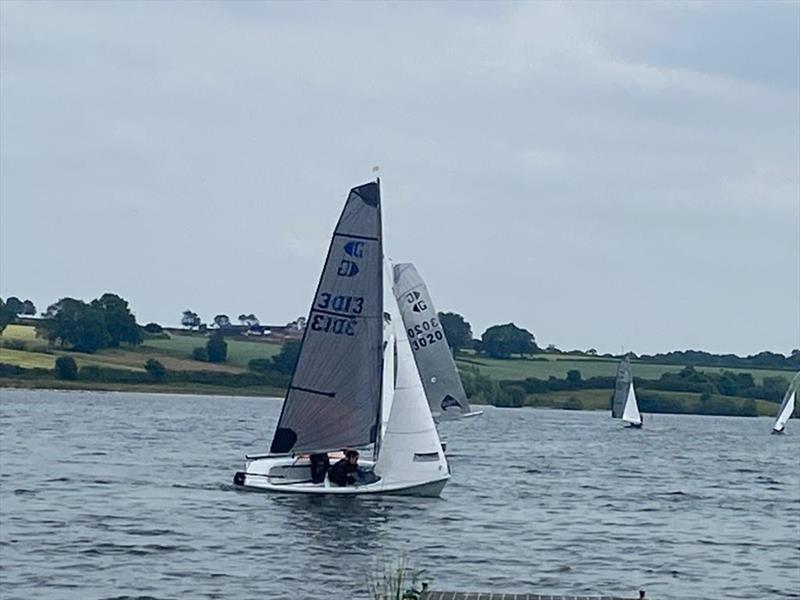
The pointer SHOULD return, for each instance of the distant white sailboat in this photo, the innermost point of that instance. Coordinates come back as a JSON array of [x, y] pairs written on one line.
[[446, 396], [347, 378], [624, 405], [787, 406]]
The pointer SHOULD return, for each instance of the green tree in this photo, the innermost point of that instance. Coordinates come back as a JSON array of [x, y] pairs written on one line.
[[6, 316], [28, 308], [217, 349], [74, 323], [190, 320], [574, 376], [248, 320], [15, 305], [286, 359], [222, 321], [457, 330], [501, 341], [66, 368], [153, 328], [155, 369], [120, 322], [200, 354]]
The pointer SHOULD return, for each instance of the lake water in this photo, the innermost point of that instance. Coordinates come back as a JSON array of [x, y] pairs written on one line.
[[127, 495]]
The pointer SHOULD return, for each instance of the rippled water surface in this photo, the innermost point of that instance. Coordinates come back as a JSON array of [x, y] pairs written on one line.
[[105, 495]]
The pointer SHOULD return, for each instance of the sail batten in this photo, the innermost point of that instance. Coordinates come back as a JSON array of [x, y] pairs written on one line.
[[434, 360], [334, 397]]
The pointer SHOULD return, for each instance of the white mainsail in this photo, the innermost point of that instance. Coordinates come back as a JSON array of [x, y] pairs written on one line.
[[786, 411], [787, 406], [631, 413]]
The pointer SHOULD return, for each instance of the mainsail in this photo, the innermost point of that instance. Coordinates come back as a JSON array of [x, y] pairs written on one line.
[[787, 406], [334, 397], [437, 369], [631, 413], [624, 379]]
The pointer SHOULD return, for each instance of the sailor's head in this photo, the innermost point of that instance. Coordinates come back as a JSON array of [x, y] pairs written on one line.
[[351, 456]]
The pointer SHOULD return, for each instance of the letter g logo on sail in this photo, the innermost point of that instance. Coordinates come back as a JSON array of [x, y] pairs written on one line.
[[355, 249]]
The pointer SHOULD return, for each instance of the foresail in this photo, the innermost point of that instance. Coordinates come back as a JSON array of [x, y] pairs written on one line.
[[434, 360], [624, 379], [334, 396], [788, 404], [411, 451]]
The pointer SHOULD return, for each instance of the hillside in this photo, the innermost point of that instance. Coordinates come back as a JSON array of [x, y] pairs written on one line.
[[20, 347]]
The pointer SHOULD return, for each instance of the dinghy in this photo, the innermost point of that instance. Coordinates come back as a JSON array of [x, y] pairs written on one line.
[[624, 405], [787, 406], [347, 376], [443, 388]]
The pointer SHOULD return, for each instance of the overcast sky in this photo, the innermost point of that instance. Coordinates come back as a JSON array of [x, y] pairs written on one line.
[[606, 175]]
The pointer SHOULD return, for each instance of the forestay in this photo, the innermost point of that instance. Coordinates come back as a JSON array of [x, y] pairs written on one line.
[[334, 396], [437, 369], [624, 379]]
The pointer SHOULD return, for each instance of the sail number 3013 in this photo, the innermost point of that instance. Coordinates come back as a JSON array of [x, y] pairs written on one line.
[[338, 325]]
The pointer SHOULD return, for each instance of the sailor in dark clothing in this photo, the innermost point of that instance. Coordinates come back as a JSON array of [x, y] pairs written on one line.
[[346, 471]]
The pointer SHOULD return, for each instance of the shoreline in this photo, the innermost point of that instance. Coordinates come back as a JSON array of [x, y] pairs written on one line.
[[154, 388]]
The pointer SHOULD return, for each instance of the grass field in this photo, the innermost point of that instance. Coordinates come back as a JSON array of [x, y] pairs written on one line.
[[240, 352], [173, 353]]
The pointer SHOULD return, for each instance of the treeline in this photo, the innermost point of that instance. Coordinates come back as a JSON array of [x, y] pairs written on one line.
[[762, 360], [505, 341], [723, 393], [688, 379]]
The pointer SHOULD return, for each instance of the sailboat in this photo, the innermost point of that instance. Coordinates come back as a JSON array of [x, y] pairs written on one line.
[[787, 406], [347, 376], [624, 405], [443, 388]]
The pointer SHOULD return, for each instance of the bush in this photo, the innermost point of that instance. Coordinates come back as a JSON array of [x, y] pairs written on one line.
[[217, 349], [260, 365], [200, 354], [155, 369], [89, 373], [66, 368], [15, 344], [573, 403], [516, 395], [286, 359], [153, 328]]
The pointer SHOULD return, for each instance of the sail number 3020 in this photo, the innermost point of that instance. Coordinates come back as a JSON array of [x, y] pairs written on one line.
[[425, 333]]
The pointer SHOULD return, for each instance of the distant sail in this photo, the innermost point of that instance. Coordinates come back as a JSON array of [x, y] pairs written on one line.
[[446, 396], [631, 413], [334, 398], [787, 406], [624, 379]]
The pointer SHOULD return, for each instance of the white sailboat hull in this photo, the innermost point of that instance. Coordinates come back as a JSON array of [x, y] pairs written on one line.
[[289, 475]]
